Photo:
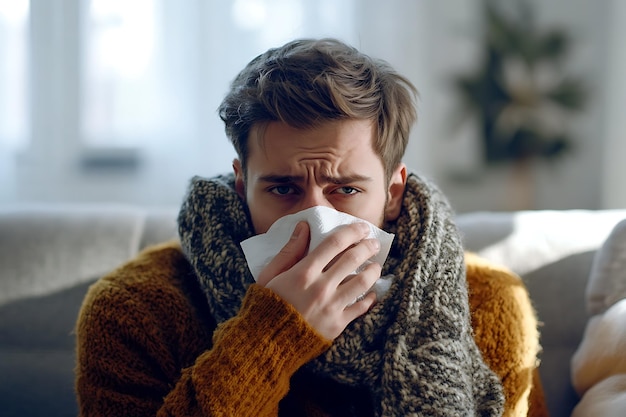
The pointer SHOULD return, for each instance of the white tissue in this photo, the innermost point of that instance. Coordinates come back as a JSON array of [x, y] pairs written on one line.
[[259, 250]]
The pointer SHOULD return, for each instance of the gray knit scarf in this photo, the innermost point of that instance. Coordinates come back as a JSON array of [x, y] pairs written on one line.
[[414, 349]]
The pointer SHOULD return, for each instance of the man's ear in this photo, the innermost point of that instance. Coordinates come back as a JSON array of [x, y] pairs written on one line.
[[240, 181], [395, 193]]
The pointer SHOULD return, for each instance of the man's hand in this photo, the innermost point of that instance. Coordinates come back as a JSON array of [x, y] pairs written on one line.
[[321, 285]]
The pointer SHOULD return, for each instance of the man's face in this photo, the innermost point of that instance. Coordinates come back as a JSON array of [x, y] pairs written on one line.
[[333, 165]]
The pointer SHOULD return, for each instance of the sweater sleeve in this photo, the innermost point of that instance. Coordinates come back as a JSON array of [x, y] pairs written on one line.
[[132, 348], [247, 371], [505, 330]]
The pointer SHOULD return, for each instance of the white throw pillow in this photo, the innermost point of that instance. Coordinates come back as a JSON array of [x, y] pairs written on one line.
[[607, 280], [601, 353], [606, 399]]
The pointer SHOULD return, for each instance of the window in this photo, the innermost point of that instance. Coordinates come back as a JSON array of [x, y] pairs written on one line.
[[116, 101], [13, 73], [123, 101], [154, 71]]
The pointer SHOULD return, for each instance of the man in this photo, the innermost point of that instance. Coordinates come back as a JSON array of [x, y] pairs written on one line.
[[184, 330]]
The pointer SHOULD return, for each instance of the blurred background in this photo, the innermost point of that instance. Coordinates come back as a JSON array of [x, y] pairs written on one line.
[[521, 102]]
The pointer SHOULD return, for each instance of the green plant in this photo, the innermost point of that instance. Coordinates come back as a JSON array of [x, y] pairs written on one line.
[[520, 93]]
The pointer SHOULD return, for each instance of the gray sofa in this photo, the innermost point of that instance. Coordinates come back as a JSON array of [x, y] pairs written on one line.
[[50, 255]]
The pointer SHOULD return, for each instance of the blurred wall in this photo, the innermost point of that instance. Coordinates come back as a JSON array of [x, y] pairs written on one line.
[[614, 152], [446, 42]]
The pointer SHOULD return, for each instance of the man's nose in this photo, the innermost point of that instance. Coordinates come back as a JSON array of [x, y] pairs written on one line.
[[312, 198]]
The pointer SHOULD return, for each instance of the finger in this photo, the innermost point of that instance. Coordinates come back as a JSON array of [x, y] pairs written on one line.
[[360, 307], [336, 243], [289, 255], [359, 284], [352, 259]]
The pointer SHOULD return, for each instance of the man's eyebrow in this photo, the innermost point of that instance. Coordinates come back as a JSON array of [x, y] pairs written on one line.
[[280, 179], [344, 179]]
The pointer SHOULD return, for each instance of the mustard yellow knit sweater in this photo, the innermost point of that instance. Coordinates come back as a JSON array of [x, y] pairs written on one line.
[[147, 346]]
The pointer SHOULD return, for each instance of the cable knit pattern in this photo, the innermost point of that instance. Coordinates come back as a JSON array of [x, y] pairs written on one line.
[[148, 346], [414, 350]]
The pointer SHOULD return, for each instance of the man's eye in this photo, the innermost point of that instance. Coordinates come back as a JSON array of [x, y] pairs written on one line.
[[347, 190], [282, 190]]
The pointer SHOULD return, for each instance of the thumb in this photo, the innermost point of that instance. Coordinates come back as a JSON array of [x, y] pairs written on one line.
[[289, 255]]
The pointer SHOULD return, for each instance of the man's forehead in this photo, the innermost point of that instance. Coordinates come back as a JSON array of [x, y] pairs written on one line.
[[336, 151], [339, 178]]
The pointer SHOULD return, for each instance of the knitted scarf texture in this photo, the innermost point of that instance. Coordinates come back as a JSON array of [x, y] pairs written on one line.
[[414, 349]]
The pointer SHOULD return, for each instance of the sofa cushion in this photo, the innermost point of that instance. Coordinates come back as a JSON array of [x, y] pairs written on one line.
[[37, 353], [37, 383], [160, 226], [552, 251], [527, 240], [42, 322], [559, 393], [49, 257], [44, 248]]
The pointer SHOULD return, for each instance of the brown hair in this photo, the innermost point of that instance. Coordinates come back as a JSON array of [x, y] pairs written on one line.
[[307, 81]]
